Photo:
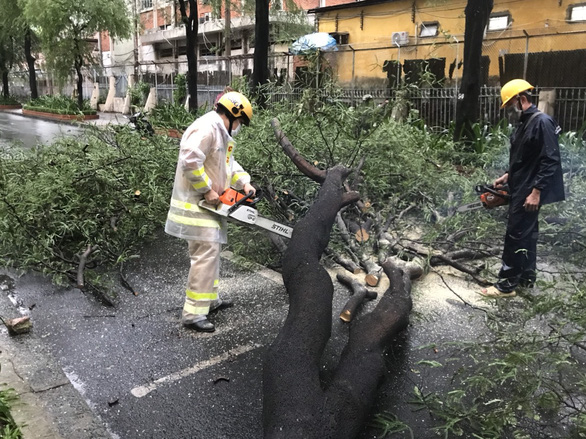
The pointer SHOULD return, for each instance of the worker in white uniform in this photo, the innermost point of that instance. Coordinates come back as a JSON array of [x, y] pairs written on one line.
[[205, 169]]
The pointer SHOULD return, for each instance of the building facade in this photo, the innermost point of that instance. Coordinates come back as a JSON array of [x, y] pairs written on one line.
[[422, 41]]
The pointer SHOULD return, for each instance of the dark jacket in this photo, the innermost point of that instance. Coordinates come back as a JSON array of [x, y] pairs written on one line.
[[535, 159]]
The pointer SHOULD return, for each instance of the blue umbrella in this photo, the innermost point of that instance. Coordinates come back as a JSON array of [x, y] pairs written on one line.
[[313, 42]]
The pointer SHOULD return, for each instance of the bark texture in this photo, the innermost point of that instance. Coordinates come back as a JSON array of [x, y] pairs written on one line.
[[189, 12], [295, 403], [260, 74], [30, 61], [477, 14]]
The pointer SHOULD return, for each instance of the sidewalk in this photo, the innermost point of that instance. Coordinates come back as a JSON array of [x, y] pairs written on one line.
[[104, 118]]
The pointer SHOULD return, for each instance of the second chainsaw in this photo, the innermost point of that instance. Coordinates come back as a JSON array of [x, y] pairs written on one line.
[[490, 197]]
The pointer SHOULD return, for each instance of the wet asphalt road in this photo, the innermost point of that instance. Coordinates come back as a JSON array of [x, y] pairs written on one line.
[[144, 376], [29, 131]]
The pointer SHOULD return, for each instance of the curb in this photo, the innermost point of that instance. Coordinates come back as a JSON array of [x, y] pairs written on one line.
[[48, 405]]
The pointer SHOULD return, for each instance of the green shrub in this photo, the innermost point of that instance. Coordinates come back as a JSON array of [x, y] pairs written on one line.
[[8, 100], [180, 93], [139, 93], [59, 105], [173, 116], [8, 428]]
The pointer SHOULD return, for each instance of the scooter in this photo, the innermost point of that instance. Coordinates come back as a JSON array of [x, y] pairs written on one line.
[[141, 124]]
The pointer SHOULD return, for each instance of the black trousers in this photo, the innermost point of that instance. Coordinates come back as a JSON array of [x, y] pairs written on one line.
[[520, 251]]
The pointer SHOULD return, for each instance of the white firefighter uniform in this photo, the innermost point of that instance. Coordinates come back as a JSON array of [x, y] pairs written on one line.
[[206, 161]]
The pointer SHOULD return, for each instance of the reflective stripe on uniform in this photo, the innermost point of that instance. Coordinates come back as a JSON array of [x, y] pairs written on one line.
[[229, 151], [201, 296], [186, 206], [199, 222], [199, 172], [216, 282], [197, 310], [237, 176], [201, 184]]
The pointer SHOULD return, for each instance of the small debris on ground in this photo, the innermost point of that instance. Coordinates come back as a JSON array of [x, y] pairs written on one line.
[[19, 325]]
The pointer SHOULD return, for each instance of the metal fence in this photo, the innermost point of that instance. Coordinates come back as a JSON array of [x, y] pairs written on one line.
[[438, 106]]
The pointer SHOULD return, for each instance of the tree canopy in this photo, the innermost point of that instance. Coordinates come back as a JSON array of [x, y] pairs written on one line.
[[67, 27]]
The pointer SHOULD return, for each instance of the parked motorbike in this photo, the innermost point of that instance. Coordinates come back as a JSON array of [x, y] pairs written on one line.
[[141, 124]]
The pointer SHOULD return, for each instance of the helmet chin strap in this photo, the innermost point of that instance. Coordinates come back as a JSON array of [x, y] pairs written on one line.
[[231, 119]]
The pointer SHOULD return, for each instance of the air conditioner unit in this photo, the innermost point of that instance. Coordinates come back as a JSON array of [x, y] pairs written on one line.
[[400, 38]]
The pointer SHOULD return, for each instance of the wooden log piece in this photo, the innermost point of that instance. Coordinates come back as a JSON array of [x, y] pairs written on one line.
[[373, 271], [345, 263], [359, 293], [19, 325], [81, 267]]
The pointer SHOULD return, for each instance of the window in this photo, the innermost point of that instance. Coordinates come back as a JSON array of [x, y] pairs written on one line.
[[204, 17], [340, 37], [429, 29], [207, 51], [166, 52], [577, 12], [236, 44], [499, 21], [146, 4]]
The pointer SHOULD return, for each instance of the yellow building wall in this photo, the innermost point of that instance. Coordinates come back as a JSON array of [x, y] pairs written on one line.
[[539, 24]]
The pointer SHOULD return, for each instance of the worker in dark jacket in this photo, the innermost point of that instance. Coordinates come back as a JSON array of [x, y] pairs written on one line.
[[534, 179]]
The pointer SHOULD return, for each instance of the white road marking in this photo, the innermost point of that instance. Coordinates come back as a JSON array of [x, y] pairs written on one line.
[[141, 391]]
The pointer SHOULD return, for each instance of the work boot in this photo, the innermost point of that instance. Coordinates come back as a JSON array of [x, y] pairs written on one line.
[[201, 326], [221, 304], [526, 283]]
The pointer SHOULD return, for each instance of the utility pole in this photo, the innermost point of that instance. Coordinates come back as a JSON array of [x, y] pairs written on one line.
[[135, 34], [228, 38]]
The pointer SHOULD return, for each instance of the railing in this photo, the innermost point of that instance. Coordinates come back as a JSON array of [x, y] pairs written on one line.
[[438, 106]]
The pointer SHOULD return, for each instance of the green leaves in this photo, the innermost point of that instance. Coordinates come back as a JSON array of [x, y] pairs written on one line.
[[106, 190], [66, 26]]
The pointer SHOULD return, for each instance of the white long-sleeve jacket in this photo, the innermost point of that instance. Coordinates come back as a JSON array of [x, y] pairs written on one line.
[[206, 161]]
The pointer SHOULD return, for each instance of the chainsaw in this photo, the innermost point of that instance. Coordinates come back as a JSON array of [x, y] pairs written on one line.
[[490, 197], [240, 207]]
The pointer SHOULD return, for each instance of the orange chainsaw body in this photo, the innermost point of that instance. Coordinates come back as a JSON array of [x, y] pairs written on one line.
[[231, 197], [490, 200]]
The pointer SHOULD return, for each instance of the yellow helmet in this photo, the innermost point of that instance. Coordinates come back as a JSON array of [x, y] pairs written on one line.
[[512, 89], [237, 105]]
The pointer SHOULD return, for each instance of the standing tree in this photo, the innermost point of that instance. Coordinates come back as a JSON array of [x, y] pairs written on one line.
[[260, 74], [66, 28], [477, 14], [189, 19], [9, 36], [6, 52], [30, 42], [29, 38]]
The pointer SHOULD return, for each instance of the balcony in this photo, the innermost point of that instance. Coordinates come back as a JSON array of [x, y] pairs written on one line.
[[152, 36], [207, 26]]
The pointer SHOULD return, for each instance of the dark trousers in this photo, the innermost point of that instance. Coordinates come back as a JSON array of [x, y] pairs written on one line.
[[520, 251]]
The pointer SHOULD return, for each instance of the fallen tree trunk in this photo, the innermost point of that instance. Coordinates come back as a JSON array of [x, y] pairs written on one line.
[[295, 404]]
